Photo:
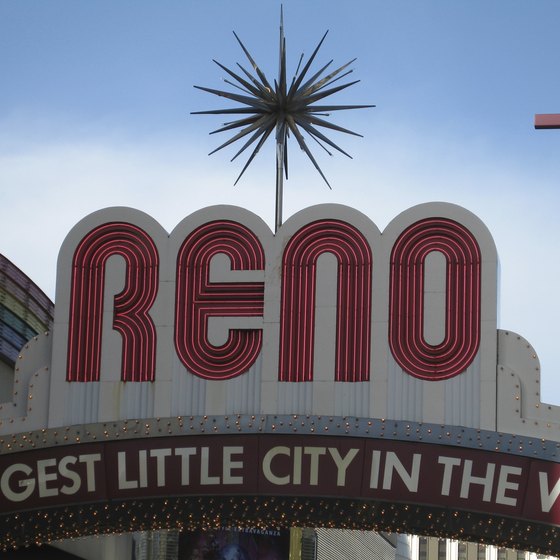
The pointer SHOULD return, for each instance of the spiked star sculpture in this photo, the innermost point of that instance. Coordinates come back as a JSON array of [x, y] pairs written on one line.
[[281, 109]]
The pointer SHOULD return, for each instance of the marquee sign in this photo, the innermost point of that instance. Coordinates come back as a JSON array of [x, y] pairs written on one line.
[[328, 364], [283, 465]]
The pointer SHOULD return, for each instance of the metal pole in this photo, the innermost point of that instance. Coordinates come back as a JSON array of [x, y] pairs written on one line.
[[279, 181]]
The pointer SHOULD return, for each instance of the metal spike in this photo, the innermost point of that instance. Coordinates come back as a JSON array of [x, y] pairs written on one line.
[[311, 88], [316, 109], [242, 133], [325, 93], [234, 111], [298, 81], [261, 76], [326, 124], [254, 153], [237, 86], [236, 124], [317, 134], [298, 65], [254, 90], [267, 92], [303, 146], [287, 110], [311, 80], [252, 101], [260, 132], [321, 144]]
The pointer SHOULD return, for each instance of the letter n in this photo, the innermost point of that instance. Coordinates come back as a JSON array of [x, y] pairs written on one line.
[[297, 315]]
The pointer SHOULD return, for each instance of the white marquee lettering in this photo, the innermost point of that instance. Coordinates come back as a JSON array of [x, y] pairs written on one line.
[[305, 471], [485, 481], [185, 453], [449, 463], [160, 455], [90, 459], [49, 477], [143, 468], [27, 484], [548, 497], [297, 462], [69, 474], [342, 463], [124, 484], [392, 464], [205, 477], [230, 462], [267, 465], [43, 477], [375, 465], [314, 453], [229, 465], [410, 479], [504, 484]]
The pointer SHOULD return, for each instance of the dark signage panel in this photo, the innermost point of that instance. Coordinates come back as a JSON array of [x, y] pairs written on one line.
[[283, 465]]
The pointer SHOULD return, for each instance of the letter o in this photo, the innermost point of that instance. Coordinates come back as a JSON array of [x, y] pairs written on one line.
[[406, 300]]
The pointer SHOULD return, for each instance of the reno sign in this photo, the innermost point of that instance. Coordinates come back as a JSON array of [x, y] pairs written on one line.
[[329, 374], [327, 317], [330, 316]]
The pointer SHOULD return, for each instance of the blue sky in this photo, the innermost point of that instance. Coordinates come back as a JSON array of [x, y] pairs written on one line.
[[95, 109]]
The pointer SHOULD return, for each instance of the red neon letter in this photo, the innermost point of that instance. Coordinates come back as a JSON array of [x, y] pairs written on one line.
[[297, 319], [406, 307], [197, 299], [131, 306]]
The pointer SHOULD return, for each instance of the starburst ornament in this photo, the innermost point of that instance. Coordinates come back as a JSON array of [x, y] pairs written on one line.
[[282, 108]]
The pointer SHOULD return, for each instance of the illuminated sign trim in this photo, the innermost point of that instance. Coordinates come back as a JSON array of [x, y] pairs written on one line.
[[462, 305], [131, 306], [328, 465], [297, 316], [283, 465], [197, 299]]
